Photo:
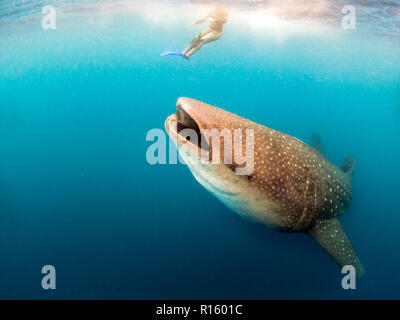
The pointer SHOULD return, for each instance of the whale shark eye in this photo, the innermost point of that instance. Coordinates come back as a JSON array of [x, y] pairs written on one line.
[[233, 168]]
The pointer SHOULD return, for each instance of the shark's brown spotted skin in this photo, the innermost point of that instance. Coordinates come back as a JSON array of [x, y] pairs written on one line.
[[291, 188], [304, 183]]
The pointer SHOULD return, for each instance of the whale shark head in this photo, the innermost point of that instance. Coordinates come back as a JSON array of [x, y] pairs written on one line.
[[265, 175], [218, 147]]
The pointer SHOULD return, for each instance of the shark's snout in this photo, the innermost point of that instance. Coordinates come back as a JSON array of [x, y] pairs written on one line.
[[196, 113], [186, 124]]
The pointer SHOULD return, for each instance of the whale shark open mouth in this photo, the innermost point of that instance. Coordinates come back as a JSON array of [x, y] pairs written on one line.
[[185, 130]]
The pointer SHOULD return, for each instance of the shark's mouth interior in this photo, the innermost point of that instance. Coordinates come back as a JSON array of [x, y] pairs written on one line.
[[188, 129]]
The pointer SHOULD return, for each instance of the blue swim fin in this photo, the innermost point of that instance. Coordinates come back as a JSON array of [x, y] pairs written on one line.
[[174, 53]]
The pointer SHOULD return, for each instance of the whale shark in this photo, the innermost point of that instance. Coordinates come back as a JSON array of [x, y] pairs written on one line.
[[291, 186]]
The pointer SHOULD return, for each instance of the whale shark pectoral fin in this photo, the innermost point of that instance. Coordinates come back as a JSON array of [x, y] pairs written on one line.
[[331, 237], [348, 166], [316, 142]]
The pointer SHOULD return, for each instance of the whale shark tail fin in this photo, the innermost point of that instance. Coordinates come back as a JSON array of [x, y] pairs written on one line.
[[348, 166], [331, 237]]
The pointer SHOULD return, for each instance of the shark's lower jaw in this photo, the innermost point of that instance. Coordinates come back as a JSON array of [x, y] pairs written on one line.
[[198, 154]]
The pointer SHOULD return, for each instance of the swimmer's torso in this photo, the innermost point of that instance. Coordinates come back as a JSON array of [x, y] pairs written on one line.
[[217, 19]]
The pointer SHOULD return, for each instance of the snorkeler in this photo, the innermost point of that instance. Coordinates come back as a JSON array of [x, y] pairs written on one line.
[[217, 18]]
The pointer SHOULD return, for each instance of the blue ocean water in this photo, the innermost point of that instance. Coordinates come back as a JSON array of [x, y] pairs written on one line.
[[77, 192]]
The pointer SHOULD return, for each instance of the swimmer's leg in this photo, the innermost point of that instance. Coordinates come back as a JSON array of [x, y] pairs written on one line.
[[195, 49], [208, 38], [196, 41]]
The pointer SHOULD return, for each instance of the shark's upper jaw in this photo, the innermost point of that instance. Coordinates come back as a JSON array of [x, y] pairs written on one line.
[[186, 118]]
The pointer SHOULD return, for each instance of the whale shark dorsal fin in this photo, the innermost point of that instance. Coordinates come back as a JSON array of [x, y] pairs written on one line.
[[316, 142], [348, 166], [331, 237]]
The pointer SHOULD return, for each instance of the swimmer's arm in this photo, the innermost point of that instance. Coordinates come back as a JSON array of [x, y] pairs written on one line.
[[207, 18]]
